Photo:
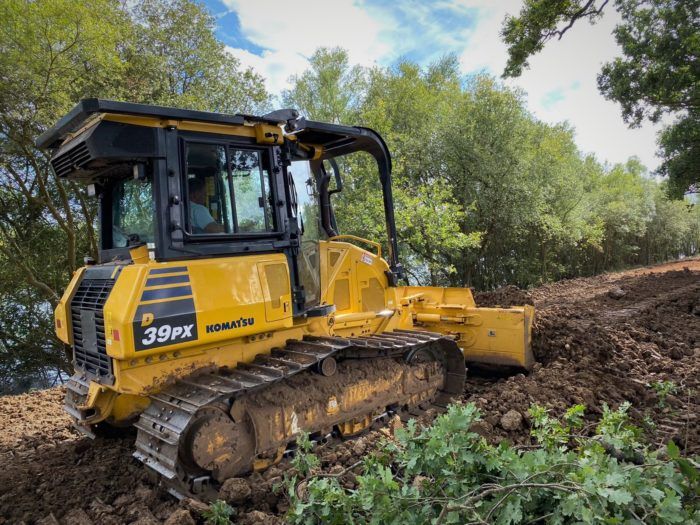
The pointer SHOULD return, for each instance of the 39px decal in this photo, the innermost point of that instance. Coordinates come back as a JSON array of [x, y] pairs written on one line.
[[166, 323], [166, 333]]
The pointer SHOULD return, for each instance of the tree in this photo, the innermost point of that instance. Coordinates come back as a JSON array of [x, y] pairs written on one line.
[[178, 61], [659, 72], [330, 90], [52, 54], [485, 194]]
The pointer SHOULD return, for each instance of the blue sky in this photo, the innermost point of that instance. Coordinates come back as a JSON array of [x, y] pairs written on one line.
[[276, 37]]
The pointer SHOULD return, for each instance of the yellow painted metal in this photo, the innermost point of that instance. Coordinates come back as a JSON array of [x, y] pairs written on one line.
[[376, 245], [354, 426], [224, 290], [62, 316], [267, 134], [499, 336], [257, 288], [261, 132]]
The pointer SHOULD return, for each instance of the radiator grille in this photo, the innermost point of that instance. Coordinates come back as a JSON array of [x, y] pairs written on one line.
[[91, 357], [71, 160]]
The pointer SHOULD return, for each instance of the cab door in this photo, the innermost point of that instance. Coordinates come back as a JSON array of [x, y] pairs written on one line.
[[274, 277]]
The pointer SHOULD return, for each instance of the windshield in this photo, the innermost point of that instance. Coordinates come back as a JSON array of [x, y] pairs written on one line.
[[307, 207], [132, 213], [307, 215]]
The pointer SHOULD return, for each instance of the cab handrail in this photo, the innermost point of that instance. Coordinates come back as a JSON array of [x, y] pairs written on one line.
[[358, 239]]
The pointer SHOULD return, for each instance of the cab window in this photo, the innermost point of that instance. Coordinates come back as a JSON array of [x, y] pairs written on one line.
[[132, 212], [228, 190]]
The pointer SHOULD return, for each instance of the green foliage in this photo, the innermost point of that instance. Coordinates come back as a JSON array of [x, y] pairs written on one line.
[[680, 149], [330, 90], [660, 66], [218, 513], [55, 52], [179, 61], [658, 73], [486, 195], [304, 463], [551, 432], [448, 474], [663, 389], [540, 21]]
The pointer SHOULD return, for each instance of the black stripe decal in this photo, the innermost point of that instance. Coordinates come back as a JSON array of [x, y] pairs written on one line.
[[174, 279], [174, 269], [166, 293], [150, 318]]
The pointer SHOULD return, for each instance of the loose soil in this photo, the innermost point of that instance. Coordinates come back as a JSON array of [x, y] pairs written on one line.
[[597, 340]]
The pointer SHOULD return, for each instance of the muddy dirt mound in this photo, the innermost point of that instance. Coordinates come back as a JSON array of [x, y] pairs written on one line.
[[505, 296], [606, 339], [50, 472], [594, 347]]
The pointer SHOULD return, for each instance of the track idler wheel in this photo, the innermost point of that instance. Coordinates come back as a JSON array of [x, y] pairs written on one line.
[[216, 443]]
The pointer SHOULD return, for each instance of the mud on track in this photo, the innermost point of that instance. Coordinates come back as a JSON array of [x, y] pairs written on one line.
[[601, 339]]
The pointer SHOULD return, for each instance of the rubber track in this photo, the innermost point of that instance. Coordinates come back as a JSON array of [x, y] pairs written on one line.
[[163, 423]]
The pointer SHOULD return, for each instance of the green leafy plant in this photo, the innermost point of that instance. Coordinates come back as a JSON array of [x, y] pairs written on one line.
[[303, 462], [219, 513], [663, 389], [551, 432], [448, 474]]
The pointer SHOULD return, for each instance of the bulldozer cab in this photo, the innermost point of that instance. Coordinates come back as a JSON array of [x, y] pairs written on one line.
[[191, 184]]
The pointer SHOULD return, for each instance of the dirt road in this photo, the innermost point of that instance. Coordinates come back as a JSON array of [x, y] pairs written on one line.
[[598, 340]]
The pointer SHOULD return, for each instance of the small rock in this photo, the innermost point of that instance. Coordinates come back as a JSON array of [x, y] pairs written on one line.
[[616, 293], [330, 458], [77, 517], [336, 469], [143, 493], [48, 520], [180, 517], [511, 420], [358, 449], [123, 500], [235, 490], [395, 424], [272, 472], [483, 428], [419, 481], [196, 507]]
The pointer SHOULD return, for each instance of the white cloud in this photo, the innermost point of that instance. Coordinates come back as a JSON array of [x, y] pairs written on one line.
[[276, 66], [560, 83], [291, 32]]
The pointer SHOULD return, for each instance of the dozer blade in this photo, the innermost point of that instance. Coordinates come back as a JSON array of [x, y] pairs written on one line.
[[503, 338], [496, 336]]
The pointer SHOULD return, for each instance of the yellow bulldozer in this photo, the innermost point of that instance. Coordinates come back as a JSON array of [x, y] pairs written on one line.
[[226, 313]]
